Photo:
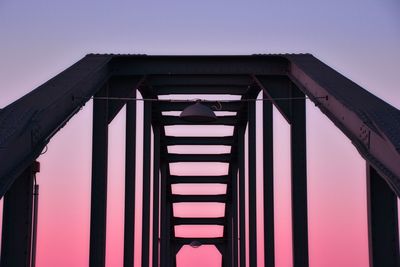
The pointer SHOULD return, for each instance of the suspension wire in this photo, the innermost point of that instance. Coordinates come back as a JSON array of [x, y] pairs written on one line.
[[197, 99]]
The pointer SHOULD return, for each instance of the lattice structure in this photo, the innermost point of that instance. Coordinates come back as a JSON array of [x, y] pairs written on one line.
[[231, 83]]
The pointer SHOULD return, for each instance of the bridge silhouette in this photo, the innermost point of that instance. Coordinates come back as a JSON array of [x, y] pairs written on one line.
[[112, 82]]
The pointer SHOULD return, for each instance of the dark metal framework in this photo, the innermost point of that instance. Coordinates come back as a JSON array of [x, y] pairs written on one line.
[[27, 125]]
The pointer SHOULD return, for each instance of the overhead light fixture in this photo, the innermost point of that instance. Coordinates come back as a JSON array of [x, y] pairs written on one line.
[[198, 112], [195, 244]]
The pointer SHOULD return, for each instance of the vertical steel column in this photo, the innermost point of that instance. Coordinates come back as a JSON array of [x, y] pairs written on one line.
[[130, 183], [227, 258], [156, 195], [268, 165], [299, 179], [17, 221], [165, 242], [382, 222], [171, 231], [146, 183], [252, 184], [242, 197], [234, 215], [99, 181]]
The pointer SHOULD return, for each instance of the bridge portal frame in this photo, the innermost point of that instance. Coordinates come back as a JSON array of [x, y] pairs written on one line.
[[373, 126]]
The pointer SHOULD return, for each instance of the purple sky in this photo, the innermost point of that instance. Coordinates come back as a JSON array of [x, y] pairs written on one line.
[[360, 39]]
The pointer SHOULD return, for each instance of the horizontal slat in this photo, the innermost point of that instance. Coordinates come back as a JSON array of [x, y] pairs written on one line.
[[198, 198], [203, 241], [198, 157], [174, 120], [196, 89], [202, 80], [177, 106], [226, 140], [198, 179], [199, 221]]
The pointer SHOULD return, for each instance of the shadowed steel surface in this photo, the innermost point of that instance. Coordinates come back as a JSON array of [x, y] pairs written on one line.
[[268, 185], [17, 221], [146, 184], [99, 181], [373, 126], [252, 193], [130, 183], [383, 222]]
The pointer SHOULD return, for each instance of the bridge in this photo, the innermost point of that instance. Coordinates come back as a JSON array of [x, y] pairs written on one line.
[[113, 81]]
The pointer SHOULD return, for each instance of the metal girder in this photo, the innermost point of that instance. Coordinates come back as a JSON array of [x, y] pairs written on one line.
[[299, 180], [27, 125], [198, 179], [199, 65], [198, 157], [175, 120], [200, 89], [268, 185], [252, 182], [16, 242], [198, 198], [278, 91], [130, 183], [371, 124], [225, 140], [121, 87], [98, 211], [198, 221], [242, 196], [383, 231], [199, 80], [146, 183], [177, 105], [203, 241]]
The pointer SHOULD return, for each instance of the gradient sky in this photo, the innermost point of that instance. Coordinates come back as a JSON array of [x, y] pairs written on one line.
[[360, 39]]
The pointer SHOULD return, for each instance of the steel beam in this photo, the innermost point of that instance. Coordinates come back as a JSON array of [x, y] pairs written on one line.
[[206, 141], [235, 229], [293, 110], [172, 157], [16, 240], [146, 183], [242, 197], [156, 194], [371, 124], [230, 89], [177, 105], [98, 215], [268, 185], [223, 179], [252, 184], [382, 222], [165, 222], [198, 221], [299, 179], [130, 183], [175, 120], [121, 89], [198, 198], [199, 80], [28, 124], [203, 241], [278, 90], [198, 65]]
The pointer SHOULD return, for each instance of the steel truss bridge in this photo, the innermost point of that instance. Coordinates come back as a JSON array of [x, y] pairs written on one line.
[[112, 81]]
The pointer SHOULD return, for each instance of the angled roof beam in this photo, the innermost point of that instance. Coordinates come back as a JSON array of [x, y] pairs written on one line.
[[371, 124], [27, 125]]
